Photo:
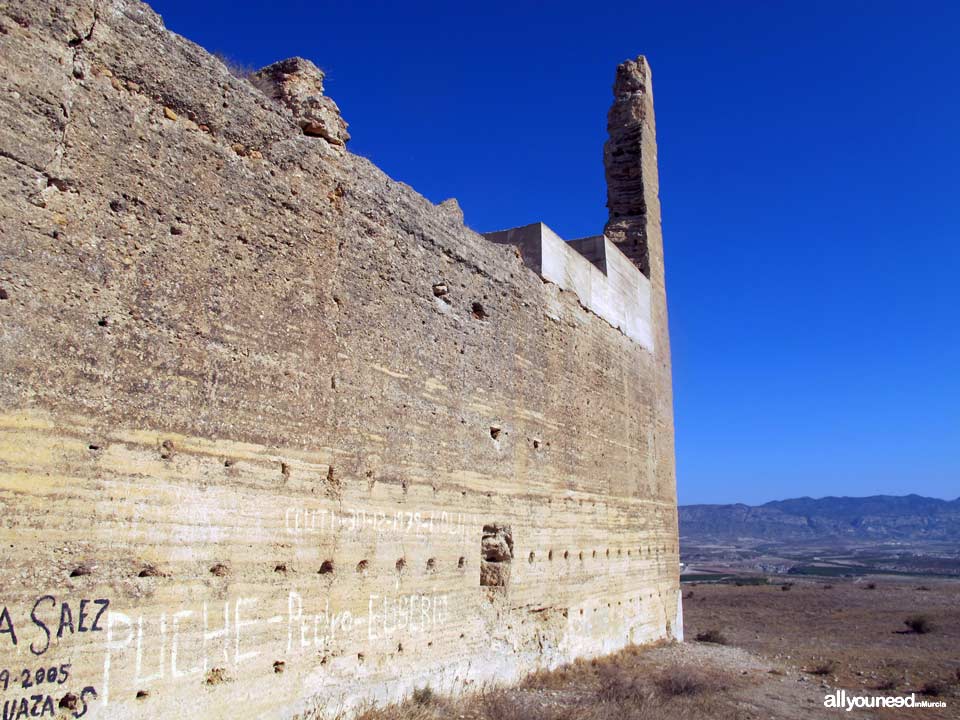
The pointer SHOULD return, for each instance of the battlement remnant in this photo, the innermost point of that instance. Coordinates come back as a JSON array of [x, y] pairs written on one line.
[[617, 286], [298, 84], [604, 279]]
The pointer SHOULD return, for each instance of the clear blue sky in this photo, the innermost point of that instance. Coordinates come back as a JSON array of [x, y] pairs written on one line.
[[810, 181]]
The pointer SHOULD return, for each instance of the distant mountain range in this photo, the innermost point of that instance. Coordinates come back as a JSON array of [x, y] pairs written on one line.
[[874, 518]]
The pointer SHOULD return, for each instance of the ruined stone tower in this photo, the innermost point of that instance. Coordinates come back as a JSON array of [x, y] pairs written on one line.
[[630, 160], [278, 436]]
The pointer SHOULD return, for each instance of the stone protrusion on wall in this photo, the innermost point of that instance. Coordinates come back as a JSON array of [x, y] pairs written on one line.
[[631, 135], [298, 84], [496, 554]]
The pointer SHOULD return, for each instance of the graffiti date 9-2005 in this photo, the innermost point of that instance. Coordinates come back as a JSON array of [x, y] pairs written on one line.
[[51, 618], [28, 678]]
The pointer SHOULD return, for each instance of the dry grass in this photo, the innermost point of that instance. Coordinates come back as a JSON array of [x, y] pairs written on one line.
[[887, 683], [619, 686], [940, 686], [239, 70], [712, 636], [689, 682], [561, 677], [423, 696], [824, 667], [919, 624], [933, 688]]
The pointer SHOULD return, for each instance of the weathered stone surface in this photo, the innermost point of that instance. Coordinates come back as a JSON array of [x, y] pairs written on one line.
[[497, 543], [624, 158], [298, 84], [247, 406], [494, 574], [452, 207]]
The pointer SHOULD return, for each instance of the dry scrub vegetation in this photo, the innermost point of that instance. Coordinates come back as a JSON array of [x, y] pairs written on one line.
[[712, 636], [619, 686], [919, 624]]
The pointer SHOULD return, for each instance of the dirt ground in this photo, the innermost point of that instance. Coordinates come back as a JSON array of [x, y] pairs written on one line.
[[782, 651], [854, 631]]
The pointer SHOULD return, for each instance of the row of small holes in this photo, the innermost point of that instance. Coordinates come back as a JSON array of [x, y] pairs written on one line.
[[566, 554], [326, 567]]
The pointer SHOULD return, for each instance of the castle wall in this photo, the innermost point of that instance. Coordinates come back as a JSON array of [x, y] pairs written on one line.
[[604, 280], [268, 418]]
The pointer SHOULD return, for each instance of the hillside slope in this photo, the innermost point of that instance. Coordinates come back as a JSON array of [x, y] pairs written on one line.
[[878, 517]]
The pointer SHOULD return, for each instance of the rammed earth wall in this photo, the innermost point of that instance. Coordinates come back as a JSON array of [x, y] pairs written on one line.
[[278, 435]]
